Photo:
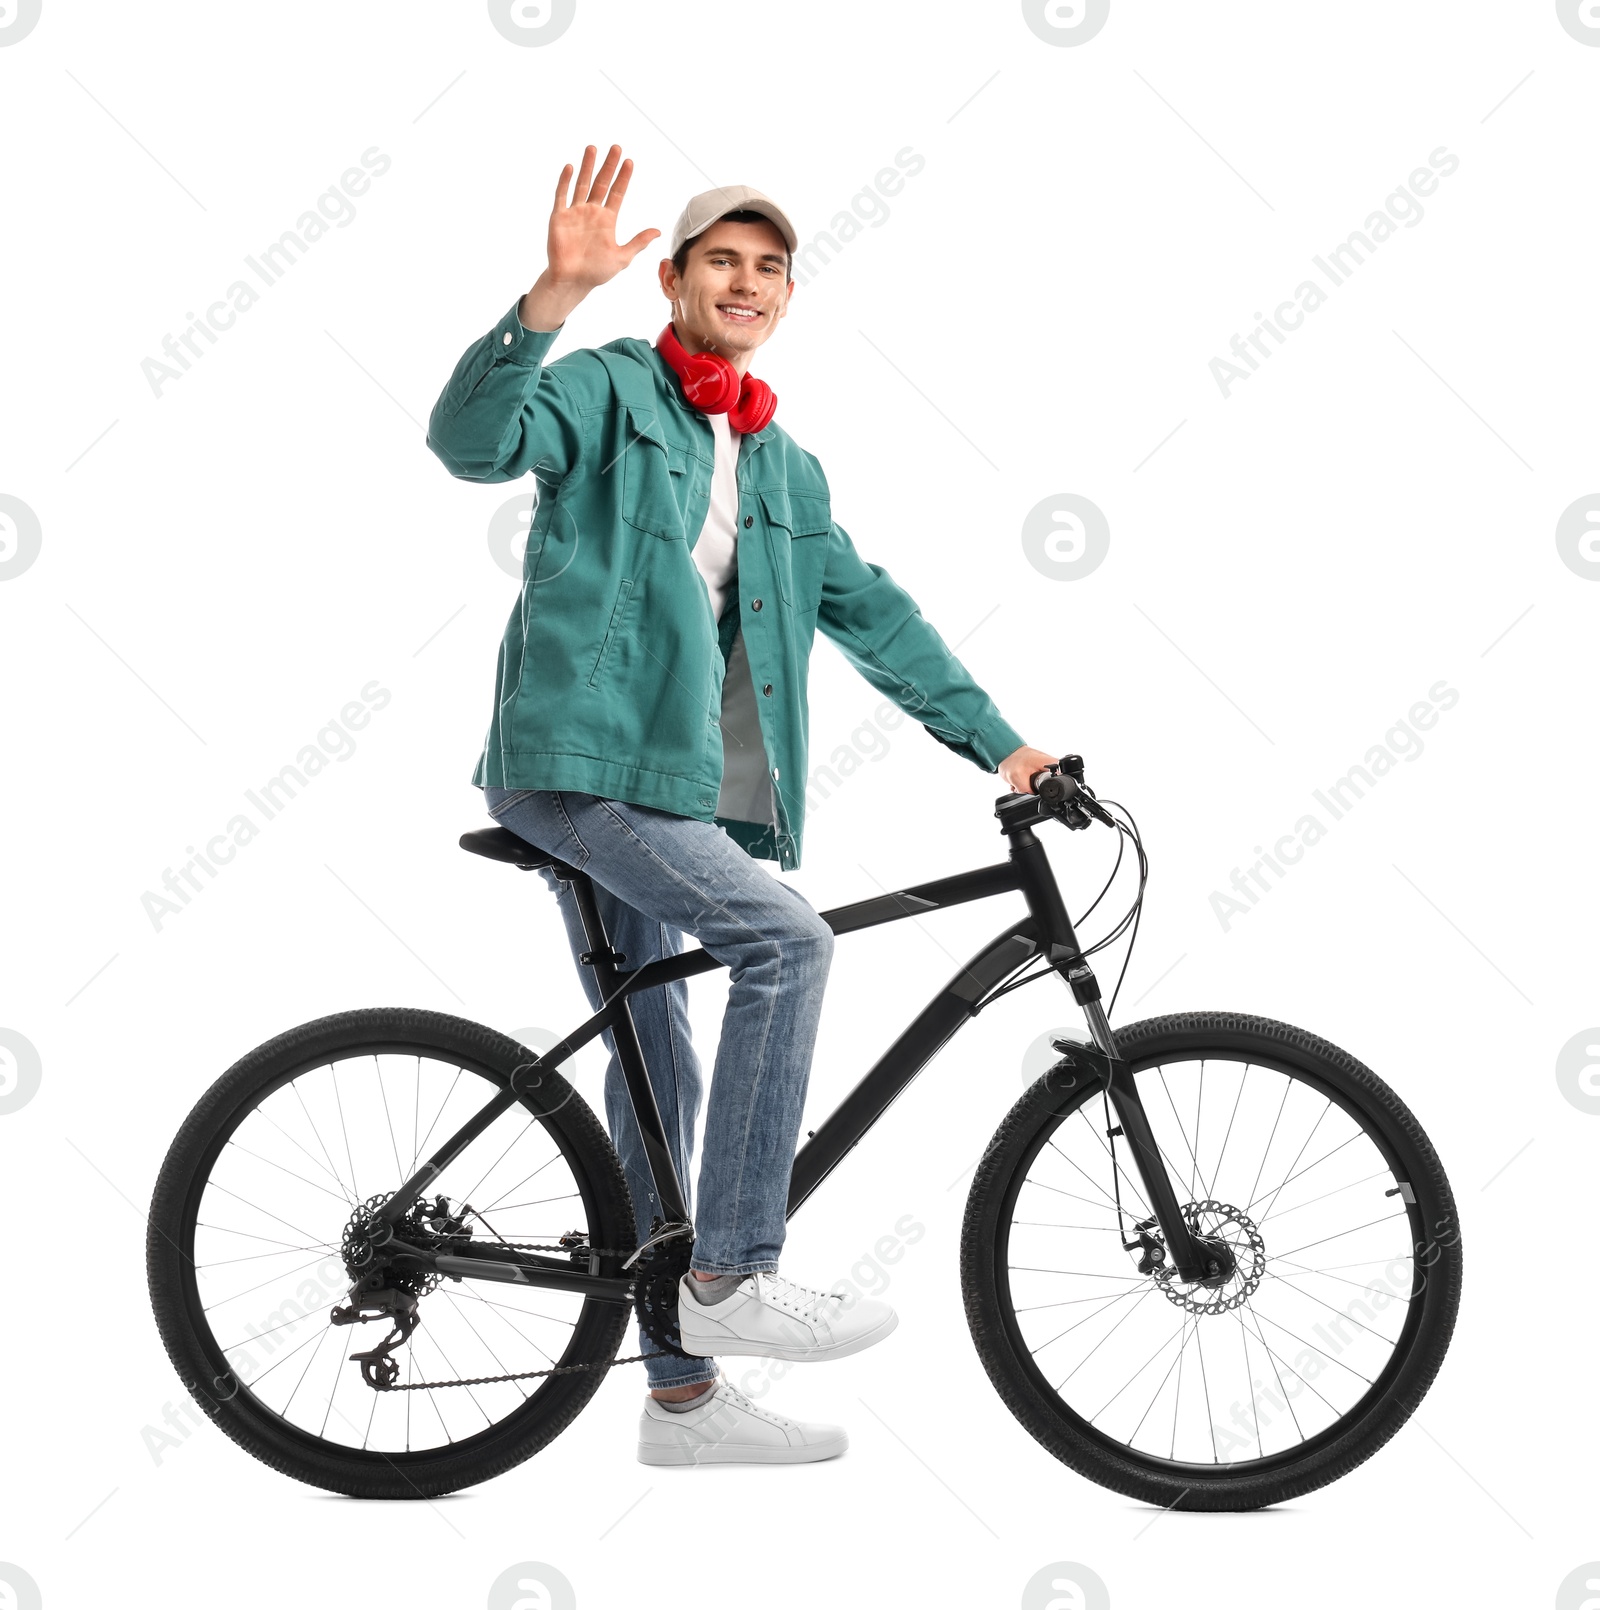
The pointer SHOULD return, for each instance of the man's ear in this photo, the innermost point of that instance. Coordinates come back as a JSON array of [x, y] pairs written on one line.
[[668, 276]]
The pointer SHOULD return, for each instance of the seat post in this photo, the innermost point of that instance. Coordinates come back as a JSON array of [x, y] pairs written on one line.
[[603, 959]]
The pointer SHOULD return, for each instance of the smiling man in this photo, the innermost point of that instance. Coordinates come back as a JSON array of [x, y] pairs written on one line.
[[650, 728]]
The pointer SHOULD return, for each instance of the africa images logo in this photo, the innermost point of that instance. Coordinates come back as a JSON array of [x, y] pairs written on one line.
[[1066, 22]]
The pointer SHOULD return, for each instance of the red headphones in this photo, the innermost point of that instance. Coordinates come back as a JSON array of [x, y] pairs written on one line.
[[714, 386]]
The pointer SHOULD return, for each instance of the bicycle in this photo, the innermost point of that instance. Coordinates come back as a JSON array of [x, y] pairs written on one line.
[[1095, 1294]]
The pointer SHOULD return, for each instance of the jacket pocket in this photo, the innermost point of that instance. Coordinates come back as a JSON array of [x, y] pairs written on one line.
[[652, 476], [614, 629], [794, 521]]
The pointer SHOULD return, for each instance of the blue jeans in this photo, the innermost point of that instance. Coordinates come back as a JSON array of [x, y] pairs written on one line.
[[657, 877]]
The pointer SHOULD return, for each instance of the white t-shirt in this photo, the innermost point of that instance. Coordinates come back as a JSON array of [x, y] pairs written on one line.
[[746, 793], [715, 553]]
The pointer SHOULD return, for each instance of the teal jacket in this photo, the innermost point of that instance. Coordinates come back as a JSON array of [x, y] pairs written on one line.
[[613, 677]]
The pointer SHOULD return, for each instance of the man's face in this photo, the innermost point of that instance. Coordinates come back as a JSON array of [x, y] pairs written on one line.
[[732, 292]]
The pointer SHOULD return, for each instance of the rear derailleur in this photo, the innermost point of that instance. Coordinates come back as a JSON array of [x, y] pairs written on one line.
[[381, 1291]]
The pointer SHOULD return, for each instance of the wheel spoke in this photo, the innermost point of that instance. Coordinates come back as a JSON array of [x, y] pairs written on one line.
[[1332, 1358], [1331, 1309], [271, 1280], [294, 1085], [339, 1102], [417, 1155], [530, 1125], [1135, 1376], [1211, 1189], [262, 1112], [301, 1177], [1258, 1317], [388, 1119], [1105, 1207], [1177, 1363], [1366, 1179], [1099, 1187], [1277, 1374], [1301, 1153], [1367, 1226], [1357, 1285], [1110, 1302], [523, 1181], [1104, 1339]]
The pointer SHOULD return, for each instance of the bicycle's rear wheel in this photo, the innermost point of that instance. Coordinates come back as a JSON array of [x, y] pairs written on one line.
[[1315, 1352], [243, 1253]]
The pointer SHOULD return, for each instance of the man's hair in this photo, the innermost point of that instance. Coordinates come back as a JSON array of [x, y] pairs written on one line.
[[680, 258]]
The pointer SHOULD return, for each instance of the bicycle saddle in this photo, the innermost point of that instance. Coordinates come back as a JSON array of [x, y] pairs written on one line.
[[501, 844]]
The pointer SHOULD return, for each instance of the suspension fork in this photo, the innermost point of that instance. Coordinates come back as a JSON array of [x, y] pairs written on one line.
[[1115, 1073], [1102, 1061]]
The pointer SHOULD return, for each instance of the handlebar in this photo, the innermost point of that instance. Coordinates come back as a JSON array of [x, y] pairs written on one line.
[[1067, 796]]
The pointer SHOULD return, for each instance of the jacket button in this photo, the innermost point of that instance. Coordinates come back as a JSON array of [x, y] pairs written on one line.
[[774, 773], [767, 690], [755, 603], [749, 520], [505, 340]]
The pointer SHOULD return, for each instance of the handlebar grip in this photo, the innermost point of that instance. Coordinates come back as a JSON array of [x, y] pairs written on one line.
[[1069, 766], [1066, 793]]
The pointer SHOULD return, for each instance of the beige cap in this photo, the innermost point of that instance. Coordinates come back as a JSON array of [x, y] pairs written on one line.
[[710, 205]]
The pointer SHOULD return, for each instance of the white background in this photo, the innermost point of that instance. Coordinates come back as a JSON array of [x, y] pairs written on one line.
[[223, 567]]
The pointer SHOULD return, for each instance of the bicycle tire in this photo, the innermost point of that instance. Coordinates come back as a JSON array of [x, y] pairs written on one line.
[[1067, 1435], [204, 1371]]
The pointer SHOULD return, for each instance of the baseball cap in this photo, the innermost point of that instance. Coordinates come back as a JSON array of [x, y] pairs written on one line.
[[710, 205]]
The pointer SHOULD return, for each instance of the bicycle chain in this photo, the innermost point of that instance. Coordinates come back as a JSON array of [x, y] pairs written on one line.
[[525, 1375]]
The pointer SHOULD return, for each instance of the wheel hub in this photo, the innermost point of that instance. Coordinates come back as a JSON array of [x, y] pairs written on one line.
[[1231, 1251], [433, 1225]]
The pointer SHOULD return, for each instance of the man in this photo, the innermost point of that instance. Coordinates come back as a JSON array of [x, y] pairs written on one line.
[[650, 727]]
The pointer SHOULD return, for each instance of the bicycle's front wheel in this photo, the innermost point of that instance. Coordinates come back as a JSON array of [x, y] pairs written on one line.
[[1332, 1325], [261, 1205]]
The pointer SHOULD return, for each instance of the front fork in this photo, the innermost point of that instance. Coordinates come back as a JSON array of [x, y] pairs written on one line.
[[1194, 1263]]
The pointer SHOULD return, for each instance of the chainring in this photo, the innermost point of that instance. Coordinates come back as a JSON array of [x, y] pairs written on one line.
[[655, 1297]]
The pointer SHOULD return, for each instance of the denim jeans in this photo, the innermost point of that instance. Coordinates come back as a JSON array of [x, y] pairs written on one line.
[[657, 877]]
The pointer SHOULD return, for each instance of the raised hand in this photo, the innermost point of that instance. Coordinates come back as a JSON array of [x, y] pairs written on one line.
[[582, 249]]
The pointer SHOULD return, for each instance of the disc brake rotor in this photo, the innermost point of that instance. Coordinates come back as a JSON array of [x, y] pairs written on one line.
[[1220, 1223]]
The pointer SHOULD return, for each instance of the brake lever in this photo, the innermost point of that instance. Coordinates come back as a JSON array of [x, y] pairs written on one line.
[[1089, 803]]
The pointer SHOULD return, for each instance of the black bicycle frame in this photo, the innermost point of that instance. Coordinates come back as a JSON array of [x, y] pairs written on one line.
[[1046, 931]]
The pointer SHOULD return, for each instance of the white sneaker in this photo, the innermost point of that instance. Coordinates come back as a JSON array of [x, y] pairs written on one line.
[[725, 1428], [766, 1316]]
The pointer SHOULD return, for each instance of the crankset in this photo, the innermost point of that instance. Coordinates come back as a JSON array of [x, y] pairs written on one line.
[[662, 1263]]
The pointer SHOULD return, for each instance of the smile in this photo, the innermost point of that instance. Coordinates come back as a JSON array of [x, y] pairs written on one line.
[[739, 313]]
